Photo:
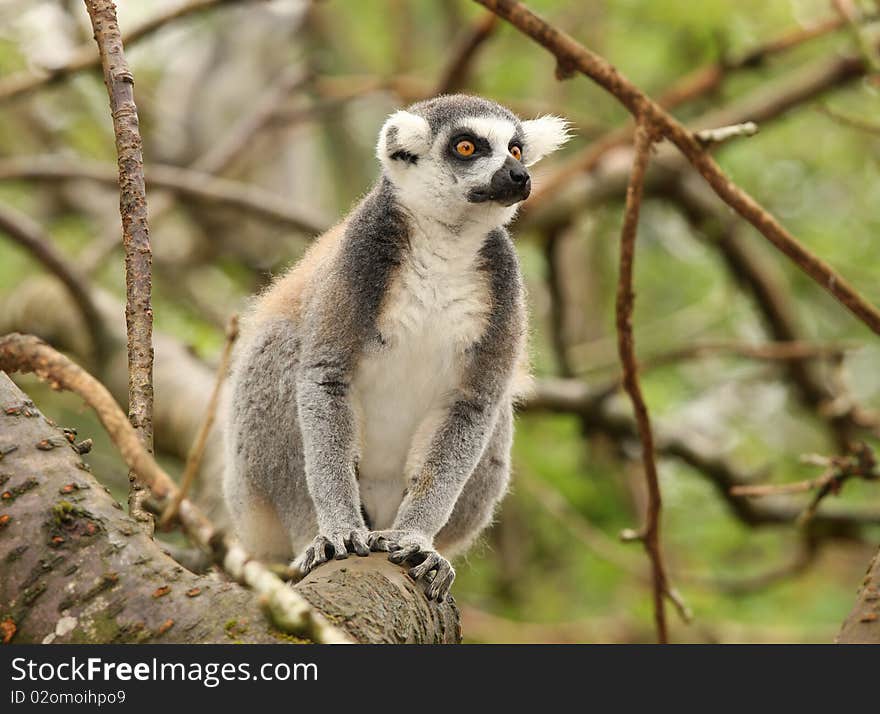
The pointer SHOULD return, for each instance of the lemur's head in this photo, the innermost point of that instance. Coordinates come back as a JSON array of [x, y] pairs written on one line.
[[458, 158]]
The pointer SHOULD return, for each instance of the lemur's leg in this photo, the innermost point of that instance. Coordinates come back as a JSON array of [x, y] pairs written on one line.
[[483, 491], [265, 482]]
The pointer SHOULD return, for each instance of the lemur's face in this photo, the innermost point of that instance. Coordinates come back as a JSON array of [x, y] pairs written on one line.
[[463, 159]]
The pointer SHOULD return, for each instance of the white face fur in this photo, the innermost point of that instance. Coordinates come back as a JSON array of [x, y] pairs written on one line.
[[433, 179]]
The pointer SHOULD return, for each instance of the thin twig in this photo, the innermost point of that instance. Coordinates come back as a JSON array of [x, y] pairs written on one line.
[[572, 56], [287, 609], [726, 133], [29, 234], [194, 458], [861, 463], [650, 535], [135, 234]]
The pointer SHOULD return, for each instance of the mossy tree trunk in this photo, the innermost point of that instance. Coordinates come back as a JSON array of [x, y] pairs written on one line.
[[74, 567]]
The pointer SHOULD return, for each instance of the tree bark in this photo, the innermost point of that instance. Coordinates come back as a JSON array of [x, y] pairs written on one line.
[[75, 568], [862, 625]]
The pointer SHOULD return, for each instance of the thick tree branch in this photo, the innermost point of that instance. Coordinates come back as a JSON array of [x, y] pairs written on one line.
[[862, 625], [23, 353], [77, 569]]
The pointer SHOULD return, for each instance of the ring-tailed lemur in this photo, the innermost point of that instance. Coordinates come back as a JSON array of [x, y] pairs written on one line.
[[373, 391]]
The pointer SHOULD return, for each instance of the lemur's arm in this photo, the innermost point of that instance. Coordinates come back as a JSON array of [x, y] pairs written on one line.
[[339, 323], [462, 435], [327, 425]]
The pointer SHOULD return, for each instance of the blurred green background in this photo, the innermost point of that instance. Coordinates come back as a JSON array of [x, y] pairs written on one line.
[[545, 572]]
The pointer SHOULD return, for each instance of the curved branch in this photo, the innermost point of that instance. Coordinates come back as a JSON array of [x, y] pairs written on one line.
[[572, 56], [31, 236], [650, 535], [196, 185]]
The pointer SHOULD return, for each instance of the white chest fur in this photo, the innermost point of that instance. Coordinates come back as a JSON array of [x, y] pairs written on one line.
[[436, 308]]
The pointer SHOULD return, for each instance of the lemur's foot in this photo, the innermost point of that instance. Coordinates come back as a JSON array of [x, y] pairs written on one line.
[[430, 568], [337, 544]]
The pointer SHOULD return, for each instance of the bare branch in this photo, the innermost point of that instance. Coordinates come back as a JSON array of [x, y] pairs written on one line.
[[572, 56], [34, 239], [650, 535], [571, 396], [135, 233], [765, 104], [196, 185], [838, 470]]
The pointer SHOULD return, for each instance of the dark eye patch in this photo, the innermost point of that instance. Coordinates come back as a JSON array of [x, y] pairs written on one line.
[[481, 146]]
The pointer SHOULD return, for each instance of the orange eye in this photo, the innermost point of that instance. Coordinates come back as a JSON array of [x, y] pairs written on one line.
[[465, 147], [516, 153]]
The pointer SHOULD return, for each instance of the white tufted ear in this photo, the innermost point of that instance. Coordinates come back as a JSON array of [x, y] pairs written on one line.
[[543, 136], [403, 139]]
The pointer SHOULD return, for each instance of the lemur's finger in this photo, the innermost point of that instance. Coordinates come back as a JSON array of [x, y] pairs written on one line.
[[340, 552], [377, 542], [439, 589], [403, 554], [320, 552], [358, 545], [304, 562], [429, 563], [381, 543]]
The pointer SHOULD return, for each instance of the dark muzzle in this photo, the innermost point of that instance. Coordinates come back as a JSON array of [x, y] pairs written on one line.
[[509, 184]]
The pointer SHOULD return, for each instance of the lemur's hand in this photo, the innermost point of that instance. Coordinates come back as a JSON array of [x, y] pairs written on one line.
[[407, 546], [336, 544]]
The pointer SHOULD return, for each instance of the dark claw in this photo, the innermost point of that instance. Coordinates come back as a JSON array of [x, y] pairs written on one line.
[[402, 554], [439, 589], [358, 545]]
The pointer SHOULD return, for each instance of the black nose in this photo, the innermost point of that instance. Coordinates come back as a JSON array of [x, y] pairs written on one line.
[[518, 175]]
